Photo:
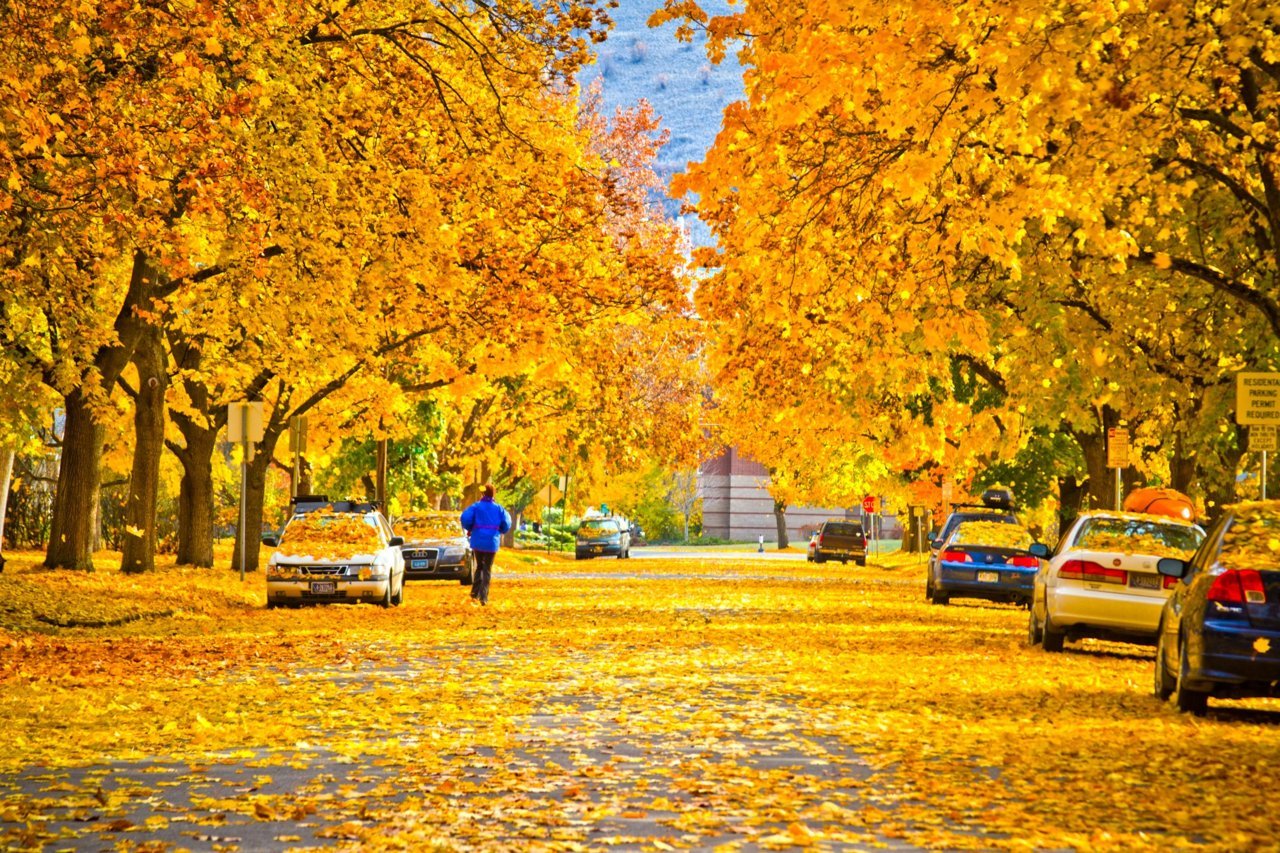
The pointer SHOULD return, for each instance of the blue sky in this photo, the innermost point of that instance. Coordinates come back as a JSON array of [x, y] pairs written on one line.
[[686, 90]]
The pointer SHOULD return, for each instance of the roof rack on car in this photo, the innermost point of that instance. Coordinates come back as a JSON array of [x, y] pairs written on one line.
[[312, 503]]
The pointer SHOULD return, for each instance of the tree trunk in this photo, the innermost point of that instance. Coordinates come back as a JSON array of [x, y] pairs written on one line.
[[780, 519], [144, 482], [255, 489], [71, 538], [1182, 467], [912, 542], [195, 495], [6, 476], [72, 535], [1071, 495]]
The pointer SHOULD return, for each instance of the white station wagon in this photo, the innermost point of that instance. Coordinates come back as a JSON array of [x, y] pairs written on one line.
[[1102, 582], [340, 552]]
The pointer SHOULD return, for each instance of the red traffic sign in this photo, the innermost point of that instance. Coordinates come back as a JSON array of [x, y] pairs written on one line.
[[869, 503]]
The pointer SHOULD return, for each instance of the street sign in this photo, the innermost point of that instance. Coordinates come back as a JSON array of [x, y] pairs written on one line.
[[298, 435], [244, 422], [869, 504], [1262, 439], [1117, 448], [1258, 399]]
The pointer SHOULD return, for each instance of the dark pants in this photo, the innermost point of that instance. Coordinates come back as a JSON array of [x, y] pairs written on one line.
[[484, 571]]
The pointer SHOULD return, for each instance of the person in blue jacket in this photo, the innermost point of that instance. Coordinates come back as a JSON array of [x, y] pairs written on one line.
[[485, 522]]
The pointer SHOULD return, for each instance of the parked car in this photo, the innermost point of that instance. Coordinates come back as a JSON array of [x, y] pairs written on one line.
[[841, 540], [813, 546], [1102, 581], [991, 560], [602, 537], [340, 552], [1219, 632], [435, 547], [997, 506]]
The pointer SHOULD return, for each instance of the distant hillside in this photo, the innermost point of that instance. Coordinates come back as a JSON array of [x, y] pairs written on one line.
[[687, 91]]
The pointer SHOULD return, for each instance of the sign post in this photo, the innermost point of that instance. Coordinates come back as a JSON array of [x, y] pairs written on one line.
[[298, 447], [1258, 407], [244, 427], [1118, 456], [1263, 439]]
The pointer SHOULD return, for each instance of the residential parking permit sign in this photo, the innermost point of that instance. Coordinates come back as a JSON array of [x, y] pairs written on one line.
[[1258, 399]]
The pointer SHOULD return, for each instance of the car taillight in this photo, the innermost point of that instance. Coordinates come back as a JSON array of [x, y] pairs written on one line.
[[956, 557], [1087, 570], [1025, 561], [1170, 582], [1237, 586], [820, 535]]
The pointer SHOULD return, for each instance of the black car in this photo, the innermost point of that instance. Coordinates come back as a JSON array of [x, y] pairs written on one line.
[[1219, 633], [602, 537], [435, 547]]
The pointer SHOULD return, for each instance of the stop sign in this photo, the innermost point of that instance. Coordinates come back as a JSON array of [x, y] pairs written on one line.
[[869, 503]]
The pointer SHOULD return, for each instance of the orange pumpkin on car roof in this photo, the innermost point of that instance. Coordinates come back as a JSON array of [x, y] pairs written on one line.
[[1156, 501]]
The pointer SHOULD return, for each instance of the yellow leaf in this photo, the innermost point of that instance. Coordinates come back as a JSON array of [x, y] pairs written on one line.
[[212, 46], [82, 45], [1162, 260], [1262, 645]]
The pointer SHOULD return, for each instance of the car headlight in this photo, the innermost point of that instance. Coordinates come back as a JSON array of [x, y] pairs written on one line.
[[371, 572], [615, 539], [453, 553]]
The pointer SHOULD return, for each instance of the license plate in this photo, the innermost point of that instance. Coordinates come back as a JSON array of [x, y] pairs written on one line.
[[598, 548], [989, 577], [1145, 581], [420, 564], [323, 587]]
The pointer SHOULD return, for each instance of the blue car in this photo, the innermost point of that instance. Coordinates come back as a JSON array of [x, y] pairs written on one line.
[[1219, 632], [988, 559]]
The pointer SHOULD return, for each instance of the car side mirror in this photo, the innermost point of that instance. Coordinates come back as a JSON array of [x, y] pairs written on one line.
[[396, 541], [935, 544], [270, 541], [1039, 549], [1171, 567]]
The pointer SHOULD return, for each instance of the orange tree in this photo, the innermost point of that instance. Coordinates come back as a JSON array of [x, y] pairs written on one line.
[[911, 184]]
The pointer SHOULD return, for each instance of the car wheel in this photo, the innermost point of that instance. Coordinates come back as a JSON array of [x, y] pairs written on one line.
[[1051, 639], [398, 598], [1192, 701], [272, 604], [861, 561], [469, 575], [1164, 682], [1033, 628], [818, 558], [386, 596]]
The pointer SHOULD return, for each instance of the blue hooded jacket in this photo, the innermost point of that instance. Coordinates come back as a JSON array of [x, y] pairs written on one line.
[[485, 522]]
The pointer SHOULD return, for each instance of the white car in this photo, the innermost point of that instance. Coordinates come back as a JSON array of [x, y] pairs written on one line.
[[341, 552], [1102, 582]]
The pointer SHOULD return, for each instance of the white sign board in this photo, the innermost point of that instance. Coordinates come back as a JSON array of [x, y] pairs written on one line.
[[244, 422], [1117, 448], [1262, 439], [1258, 399]]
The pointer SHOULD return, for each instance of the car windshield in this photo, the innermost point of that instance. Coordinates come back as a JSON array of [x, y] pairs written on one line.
[[1252, 541], [597, 528], [436, 526], [1138, 536], [330, 535], [843, 529], [992, 534]]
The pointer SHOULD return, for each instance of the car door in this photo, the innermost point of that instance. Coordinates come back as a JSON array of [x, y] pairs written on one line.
[[1175, 609]]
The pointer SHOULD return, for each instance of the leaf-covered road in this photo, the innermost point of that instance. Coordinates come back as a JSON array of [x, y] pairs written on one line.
[[649, 704]]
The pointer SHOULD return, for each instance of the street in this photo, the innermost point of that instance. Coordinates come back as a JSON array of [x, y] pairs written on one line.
[[686, 702]]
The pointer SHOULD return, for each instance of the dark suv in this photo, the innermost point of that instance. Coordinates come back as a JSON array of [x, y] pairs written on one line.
[[840, 540]]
